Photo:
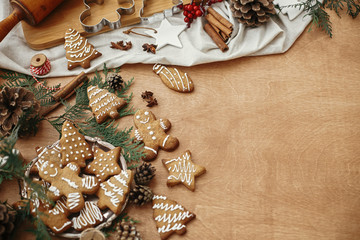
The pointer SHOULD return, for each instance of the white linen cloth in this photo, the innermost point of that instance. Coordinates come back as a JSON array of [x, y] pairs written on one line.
[[277, 36]]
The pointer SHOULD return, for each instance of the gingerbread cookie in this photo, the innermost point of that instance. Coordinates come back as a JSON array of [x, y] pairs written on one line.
[[174, 78], [170, 217], [113, 192], [183, 170], [57, 218], [78, 51], [52, 155], [74, 147], [89, 216], [67, 182], [152, 133], [105, 164], [104, 104]]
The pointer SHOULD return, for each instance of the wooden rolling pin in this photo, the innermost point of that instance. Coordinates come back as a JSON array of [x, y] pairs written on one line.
[[32, 11]]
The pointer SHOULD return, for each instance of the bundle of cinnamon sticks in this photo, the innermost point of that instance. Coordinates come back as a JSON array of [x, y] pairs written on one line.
[[218, 28]]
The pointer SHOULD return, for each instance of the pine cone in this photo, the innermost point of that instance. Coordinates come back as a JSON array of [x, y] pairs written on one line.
[[144, 173], [13, 103], [7, 221], [140, 195], [252, 13], [115, 81], [127, 231]]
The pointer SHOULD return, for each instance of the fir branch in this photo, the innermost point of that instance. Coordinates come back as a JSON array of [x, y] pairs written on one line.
[[352, 6]]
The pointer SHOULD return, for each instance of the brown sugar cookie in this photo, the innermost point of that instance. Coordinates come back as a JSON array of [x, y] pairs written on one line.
[[66, 182], [74, 147], [104, 104], [170, 217], [183, 170], [89, 216], [152, 133], [78, 51], [105, 164], [113, 192], [52, 155], [174, 78]]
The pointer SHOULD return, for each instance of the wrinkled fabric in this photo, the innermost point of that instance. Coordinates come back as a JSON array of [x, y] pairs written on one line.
[[277, 36]]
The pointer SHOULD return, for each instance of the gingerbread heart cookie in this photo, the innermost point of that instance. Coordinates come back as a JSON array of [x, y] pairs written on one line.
[[152, 133], [174, 78]]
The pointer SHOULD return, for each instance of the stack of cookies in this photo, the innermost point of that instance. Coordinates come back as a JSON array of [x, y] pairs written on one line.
[[84, 181]]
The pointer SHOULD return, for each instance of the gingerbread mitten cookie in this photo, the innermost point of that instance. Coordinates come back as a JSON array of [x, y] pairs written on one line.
[[78, 51], [104, 104], [174, 78], [89, 216], [170, 217], [105, 164], [152, 133], [183, 170], [113, 192], [74, 147], [67, 182]]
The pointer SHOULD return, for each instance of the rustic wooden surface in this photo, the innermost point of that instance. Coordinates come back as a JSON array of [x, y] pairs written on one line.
[[50, 32], [279, 136]]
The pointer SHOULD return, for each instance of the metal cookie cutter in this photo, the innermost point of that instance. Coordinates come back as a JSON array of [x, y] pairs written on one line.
[[105, 22], [160, 16]]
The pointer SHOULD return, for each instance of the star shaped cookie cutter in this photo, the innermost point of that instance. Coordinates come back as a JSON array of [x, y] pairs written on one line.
[[105, 22]]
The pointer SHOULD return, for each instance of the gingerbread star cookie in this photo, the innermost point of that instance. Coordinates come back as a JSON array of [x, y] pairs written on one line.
[[170, 217], [78, 51], [74, 147], [152, 133], [105, 164], [104, 104], [113, 192], [183, 170]]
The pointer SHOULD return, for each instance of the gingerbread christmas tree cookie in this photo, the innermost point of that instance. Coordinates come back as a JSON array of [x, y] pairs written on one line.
[[74, 147], [105, 164], [104, 104], [183, 170], [78, 51], [170, 217], [152, 133]]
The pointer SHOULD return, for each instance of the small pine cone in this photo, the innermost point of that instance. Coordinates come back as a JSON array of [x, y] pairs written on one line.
[[140, 195], [7, 221], [13, 103], [252, 13], [144, 173], [127, 231], [115, 81]]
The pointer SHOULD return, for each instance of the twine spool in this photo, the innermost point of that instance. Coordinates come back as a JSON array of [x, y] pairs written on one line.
[[40, 65]]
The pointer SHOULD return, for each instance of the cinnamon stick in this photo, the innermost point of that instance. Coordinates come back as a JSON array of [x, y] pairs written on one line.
[[213, 21], [215, 37], [220, 18], [220, 33]]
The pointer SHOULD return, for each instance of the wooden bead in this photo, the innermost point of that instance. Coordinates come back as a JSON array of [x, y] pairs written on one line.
[[38, 60]]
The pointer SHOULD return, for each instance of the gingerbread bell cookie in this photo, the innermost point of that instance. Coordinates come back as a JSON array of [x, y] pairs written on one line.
[[174, 78], [74, 147], [183, 170], [152, 133], [170, 217], [78, 51], [104, 104]]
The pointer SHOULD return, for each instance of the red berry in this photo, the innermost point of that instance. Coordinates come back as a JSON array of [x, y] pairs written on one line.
[[194, 3], [198, 13], [190, 16], [186, 13], [186, 19], [186, 7], [192, 12], [181, 6], [190, 8], [196, 8]]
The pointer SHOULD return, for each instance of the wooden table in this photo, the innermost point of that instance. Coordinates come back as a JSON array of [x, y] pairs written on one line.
[[279, 136]]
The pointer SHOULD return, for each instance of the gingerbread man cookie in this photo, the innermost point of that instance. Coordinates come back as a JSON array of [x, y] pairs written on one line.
[[105, 164], [170, 217], [113, 192], [174, 78], [78, 51], [52, 155], [152, 133], [104, 104], [74, 147], [183, 170], [67, 182]]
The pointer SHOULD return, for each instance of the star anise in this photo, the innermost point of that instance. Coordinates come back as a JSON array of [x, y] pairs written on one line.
[[149, 48], [148, 97], [121, 45]]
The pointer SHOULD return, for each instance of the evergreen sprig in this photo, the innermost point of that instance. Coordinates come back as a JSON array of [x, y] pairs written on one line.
[[320, 18]]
